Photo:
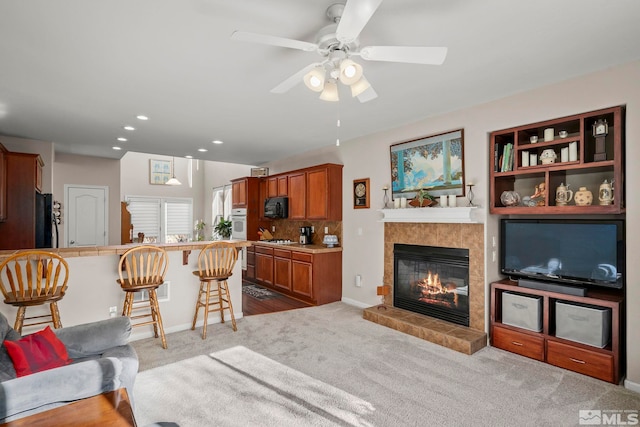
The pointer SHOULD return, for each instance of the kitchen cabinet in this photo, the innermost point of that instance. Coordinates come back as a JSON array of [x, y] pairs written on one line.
[[239, 193], [245, 193], [277, 186], [302, 273], [282, 269], [3, 183], [297, 195], [583, 158], [324, 192], [24, 180], [602, 363], [314, 277], [264, 265], [250, 272]]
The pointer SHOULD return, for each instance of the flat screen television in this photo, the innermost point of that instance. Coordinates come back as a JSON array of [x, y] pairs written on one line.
[[582, 253]]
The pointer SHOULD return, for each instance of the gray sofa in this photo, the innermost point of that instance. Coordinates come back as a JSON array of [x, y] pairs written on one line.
[[102, 361]]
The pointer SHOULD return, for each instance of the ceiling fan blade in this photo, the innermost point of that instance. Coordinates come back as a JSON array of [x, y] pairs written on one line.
[[367, 95], [244, 36], [294, 79], [409, 54], [355, 16]]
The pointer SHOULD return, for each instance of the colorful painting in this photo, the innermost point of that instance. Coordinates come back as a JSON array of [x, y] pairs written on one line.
[[434, 163]]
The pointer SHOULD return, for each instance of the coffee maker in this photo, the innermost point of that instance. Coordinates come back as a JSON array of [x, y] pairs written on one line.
[[305, 235]]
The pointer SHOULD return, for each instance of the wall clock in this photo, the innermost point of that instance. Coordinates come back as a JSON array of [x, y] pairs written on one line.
[[361, 193]]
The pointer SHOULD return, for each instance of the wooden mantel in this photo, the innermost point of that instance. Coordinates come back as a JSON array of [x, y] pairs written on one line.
[[466, 214]]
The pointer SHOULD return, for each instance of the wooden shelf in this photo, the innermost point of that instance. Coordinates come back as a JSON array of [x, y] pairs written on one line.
[[585, 171]]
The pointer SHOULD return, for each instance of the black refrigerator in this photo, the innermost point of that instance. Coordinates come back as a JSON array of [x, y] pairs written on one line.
[[44, 221]]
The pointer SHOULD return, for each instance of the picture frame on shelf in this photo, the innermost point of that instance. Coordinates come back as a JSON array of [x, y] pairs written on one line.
[[361, 193], [434, 163], [159, 171]]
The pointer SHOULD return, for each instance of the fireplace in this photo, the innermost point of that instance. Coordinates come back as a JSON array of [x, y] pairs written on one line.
[[433, 281]]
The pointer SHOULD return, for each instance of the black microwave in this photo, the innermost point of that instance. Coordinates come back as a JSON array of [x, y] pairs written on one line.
[[276, 207]]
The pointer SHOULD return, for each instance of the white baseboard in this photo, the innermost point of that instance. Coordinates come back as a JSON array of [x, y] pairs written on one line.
[[356, 303], [148, 332], [632, 386]]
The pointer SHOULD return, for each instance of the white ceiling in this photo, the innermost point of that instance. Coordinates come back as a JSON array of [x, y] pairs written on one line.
[[75, 71]]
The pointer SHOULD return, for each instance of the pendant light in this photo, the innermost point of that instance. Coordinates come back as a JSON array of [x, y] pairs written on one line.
[[173, 180]]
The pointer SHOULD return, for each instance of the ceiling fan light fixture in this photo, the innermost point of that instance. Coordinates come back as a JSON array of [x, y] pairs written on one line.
[[330, 92], [314, 79], [360, 86], [350, 72]]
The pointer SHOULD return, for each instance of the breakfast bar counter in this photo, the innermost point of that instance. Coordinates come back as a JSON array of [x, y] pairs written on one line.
[[93, 293]]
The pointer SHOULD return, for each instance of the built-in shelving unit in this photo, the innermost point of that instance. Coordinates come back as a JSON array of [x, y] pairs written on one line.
[[589, 160]]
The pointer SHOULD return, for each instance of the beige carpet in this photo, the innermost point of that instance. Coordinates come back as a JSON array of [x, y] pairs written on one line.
[[327, 366]]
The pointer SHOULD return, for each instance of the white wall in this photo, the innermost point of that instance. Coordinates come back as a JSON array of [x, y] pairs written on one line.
[[84, 170], [363, 254]]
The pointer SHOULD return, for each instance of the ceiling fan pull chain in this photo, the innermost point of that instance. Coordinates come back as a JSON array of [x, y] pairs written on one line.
[[338, 127]]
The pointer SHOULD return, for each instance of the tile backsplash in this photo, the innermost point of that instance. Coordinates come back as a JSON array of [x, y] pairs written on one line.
[[289, 229]]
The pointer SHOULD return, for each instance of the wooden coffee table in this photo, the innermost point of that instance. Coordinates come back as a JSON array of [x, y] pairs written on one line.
[[109, 409]]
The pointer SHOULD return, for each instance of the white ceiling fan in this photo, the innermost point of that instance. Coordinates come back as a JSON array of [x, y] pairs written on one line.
[[337, 43]]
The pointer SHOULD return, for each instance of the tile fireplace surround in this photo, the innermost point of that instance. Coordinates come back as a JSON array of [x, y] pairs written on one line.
[[452, 235]]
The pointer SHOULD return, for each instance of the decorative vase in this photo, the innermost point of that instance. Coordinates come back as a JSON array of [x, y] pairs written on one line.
[[583, 197], [510, 198]]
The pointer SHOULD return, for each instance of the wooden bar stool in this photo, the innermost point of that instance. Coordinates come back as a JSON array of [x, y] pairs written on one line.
[[215, 266], [34, 277], [142, 268]]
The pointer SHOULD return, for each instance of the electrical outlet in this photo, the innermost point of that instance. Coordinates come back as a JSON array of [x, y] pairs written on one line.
[[326, 230], [113, 311], [313, 229], [273, 228]]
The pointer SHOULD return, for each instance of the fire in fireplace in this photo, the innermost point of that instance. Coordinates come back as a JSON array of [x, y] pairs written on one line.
[[433, 281]]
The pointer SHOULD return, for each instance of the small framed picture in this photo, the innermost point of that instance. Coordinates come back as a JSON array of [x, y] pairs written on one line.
[[361, 193], [159, 171]]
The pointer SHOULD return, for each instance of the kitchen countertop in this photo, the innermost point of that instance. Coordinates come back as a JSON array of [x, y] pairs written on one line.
[[81, 251], [313, 249]]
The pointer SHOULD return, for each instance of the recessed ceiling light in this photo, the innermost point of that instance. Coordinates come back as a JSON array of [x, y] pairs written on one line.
[[188, 156], [217, 141], [116, 148], [202, 150], [129, 128], [141, 117], [121, 139]]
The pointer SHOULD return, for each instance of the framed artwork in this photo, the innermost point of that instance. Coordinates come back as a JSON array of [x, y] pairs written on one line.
[[433, 163], [159, 171], [361, 193]]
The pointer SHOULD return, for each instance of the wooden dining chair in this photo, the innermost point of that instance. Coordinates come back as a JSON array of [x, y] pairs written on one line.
[[31, 278], [215, 266], [142, 269]]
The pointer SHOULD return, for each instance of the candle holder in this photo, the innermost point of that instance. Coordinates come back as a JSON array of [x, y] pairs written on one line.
[[470, 194], [385, 199]]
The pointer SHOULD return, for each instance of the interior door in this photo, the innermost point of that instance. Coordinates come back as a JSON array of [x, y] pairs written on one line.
[[86, 214]]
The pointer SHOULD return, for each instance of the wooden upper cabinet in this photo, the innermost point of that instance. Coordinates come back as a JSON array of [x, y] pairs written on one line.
[[239, 193], [297, 195], [277, 186], [324, 192]]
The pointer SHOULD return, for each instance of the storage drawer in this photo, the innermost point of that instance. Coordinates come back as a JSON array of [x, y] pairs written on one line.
[[518, 342], [263, 250], [594, 364], [301, 256], [282, 254]]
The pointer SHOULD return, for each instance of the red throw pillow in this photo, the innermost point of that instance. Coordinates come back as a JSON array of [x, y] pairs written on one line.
[[37, 352]]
